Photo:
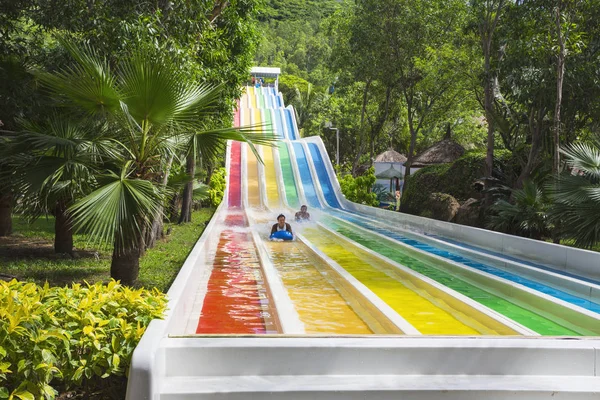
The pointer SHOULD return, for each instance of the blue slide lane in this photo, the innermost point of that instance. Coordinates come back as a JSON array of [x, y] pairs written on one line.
[[307, 182], [323, 176], [569, 298], [290, 123], [281, 116], [515, 259], [276, 118]]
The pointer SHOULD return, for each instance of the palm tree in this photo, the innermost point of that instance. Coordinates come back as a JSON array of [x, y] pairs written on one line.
[[56, 163], [576, 194], [152, 110], [526, 216]]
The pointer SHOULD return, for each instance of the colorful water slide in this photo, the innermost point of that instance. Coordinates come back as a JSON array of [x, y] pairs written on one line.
[[371, 284]]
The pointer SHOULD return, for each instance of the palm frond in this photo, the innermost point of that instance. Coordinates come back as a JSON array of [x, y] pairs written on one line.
[[88, 84], [118, 212], [584, 157], [210, 142], [200, 192]]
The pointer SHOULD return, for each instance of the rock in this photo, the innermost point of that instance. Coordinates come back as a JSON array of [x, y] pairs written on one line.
[[443, 206], [468, 213]]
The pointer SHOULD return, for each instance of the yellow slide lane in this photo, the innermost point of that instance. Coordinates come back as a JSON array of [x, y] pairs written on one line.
[[325, 302], [427, 314], [270, 176]]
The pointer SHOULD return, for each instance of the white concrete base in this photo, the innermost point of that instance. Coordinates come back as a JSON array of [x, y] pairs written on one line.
[[380, 387], [423, 368]]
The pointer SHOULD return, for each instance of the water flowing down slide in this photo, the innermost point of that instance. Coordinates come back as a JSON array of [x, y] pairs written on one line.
[[358, 270]]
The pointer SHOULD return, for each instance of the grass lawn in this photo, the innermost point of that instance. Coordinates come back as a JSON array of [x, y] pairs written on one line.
[[29, 255]]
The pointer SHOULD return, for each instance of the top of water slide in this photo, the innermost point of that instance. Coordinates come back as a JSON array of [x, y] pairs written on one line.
[[267, 72]]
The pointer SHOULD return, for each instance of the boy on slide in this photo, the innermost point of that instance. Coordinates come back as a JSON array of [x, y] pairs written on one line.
[[281, 230]]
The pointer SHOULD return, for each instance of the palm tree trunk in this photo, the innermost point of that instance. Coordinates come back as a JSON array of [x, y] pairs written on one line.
[[63, 231], [125, 265], [157, 225], [6, 214], [188, 191], [174, 208]]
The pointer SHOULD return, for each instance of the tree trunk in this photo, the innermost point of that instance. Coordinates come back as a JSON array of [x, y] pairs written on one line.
[[488, 104], [125, 265], [188, 191], [487, 28], [560, 69], [174, 208], [157, 225], [536, 146], [362, 125], [6, 214], [63, 230], [411, 155]]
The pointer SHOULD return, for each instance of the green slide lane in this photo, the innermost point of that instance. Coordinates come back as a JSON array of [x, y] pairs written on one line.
[[288, 176], [525, 317]]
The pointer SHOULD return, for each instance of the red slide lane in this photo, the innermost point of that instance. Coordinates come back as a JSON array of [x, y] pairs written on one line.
[[235, 175], [237, 298]]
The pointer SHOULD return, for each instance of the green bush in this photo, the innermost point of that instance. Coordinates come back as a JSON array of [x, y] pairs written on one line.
[[289, 83], [456, 179], [53, 337], [421, 184], [217, 187], [358, 190]]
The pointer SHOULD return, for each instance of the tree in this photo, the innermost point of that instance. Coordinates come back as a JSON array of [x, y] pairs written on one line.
[[213, 40], [418, 46], [56, 163], [153, 110], [487, 15]]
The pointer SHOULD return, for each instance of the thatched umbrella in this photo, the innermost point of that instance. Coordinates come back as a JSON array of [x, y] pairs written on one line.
[[445, 151], [391, 173], [391, 156]]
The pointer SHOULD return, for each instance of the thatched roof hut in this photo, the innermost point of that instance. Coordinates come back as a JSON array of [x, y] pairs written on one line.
[[391, 156], [445, 151]]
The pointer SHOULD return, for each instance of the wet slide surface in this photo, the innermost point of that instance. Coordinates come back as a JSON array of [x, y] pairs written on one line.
[[434, 296], [520, 314]]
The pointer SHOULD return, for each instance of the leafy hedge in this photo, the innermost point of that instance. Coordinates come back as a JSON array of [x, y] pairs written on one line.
[[455, 179], [58, 338], [358, 190], [217, 187]]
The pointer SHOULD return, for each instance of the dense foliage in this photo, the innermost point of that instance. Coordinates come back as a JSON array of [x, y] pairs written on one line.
[[499, 76], [359, 189], [58, 338]]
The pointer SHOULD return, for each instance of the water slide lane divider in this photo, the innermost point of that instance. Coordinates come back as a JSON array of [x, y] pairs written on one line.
[[487, 318]]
